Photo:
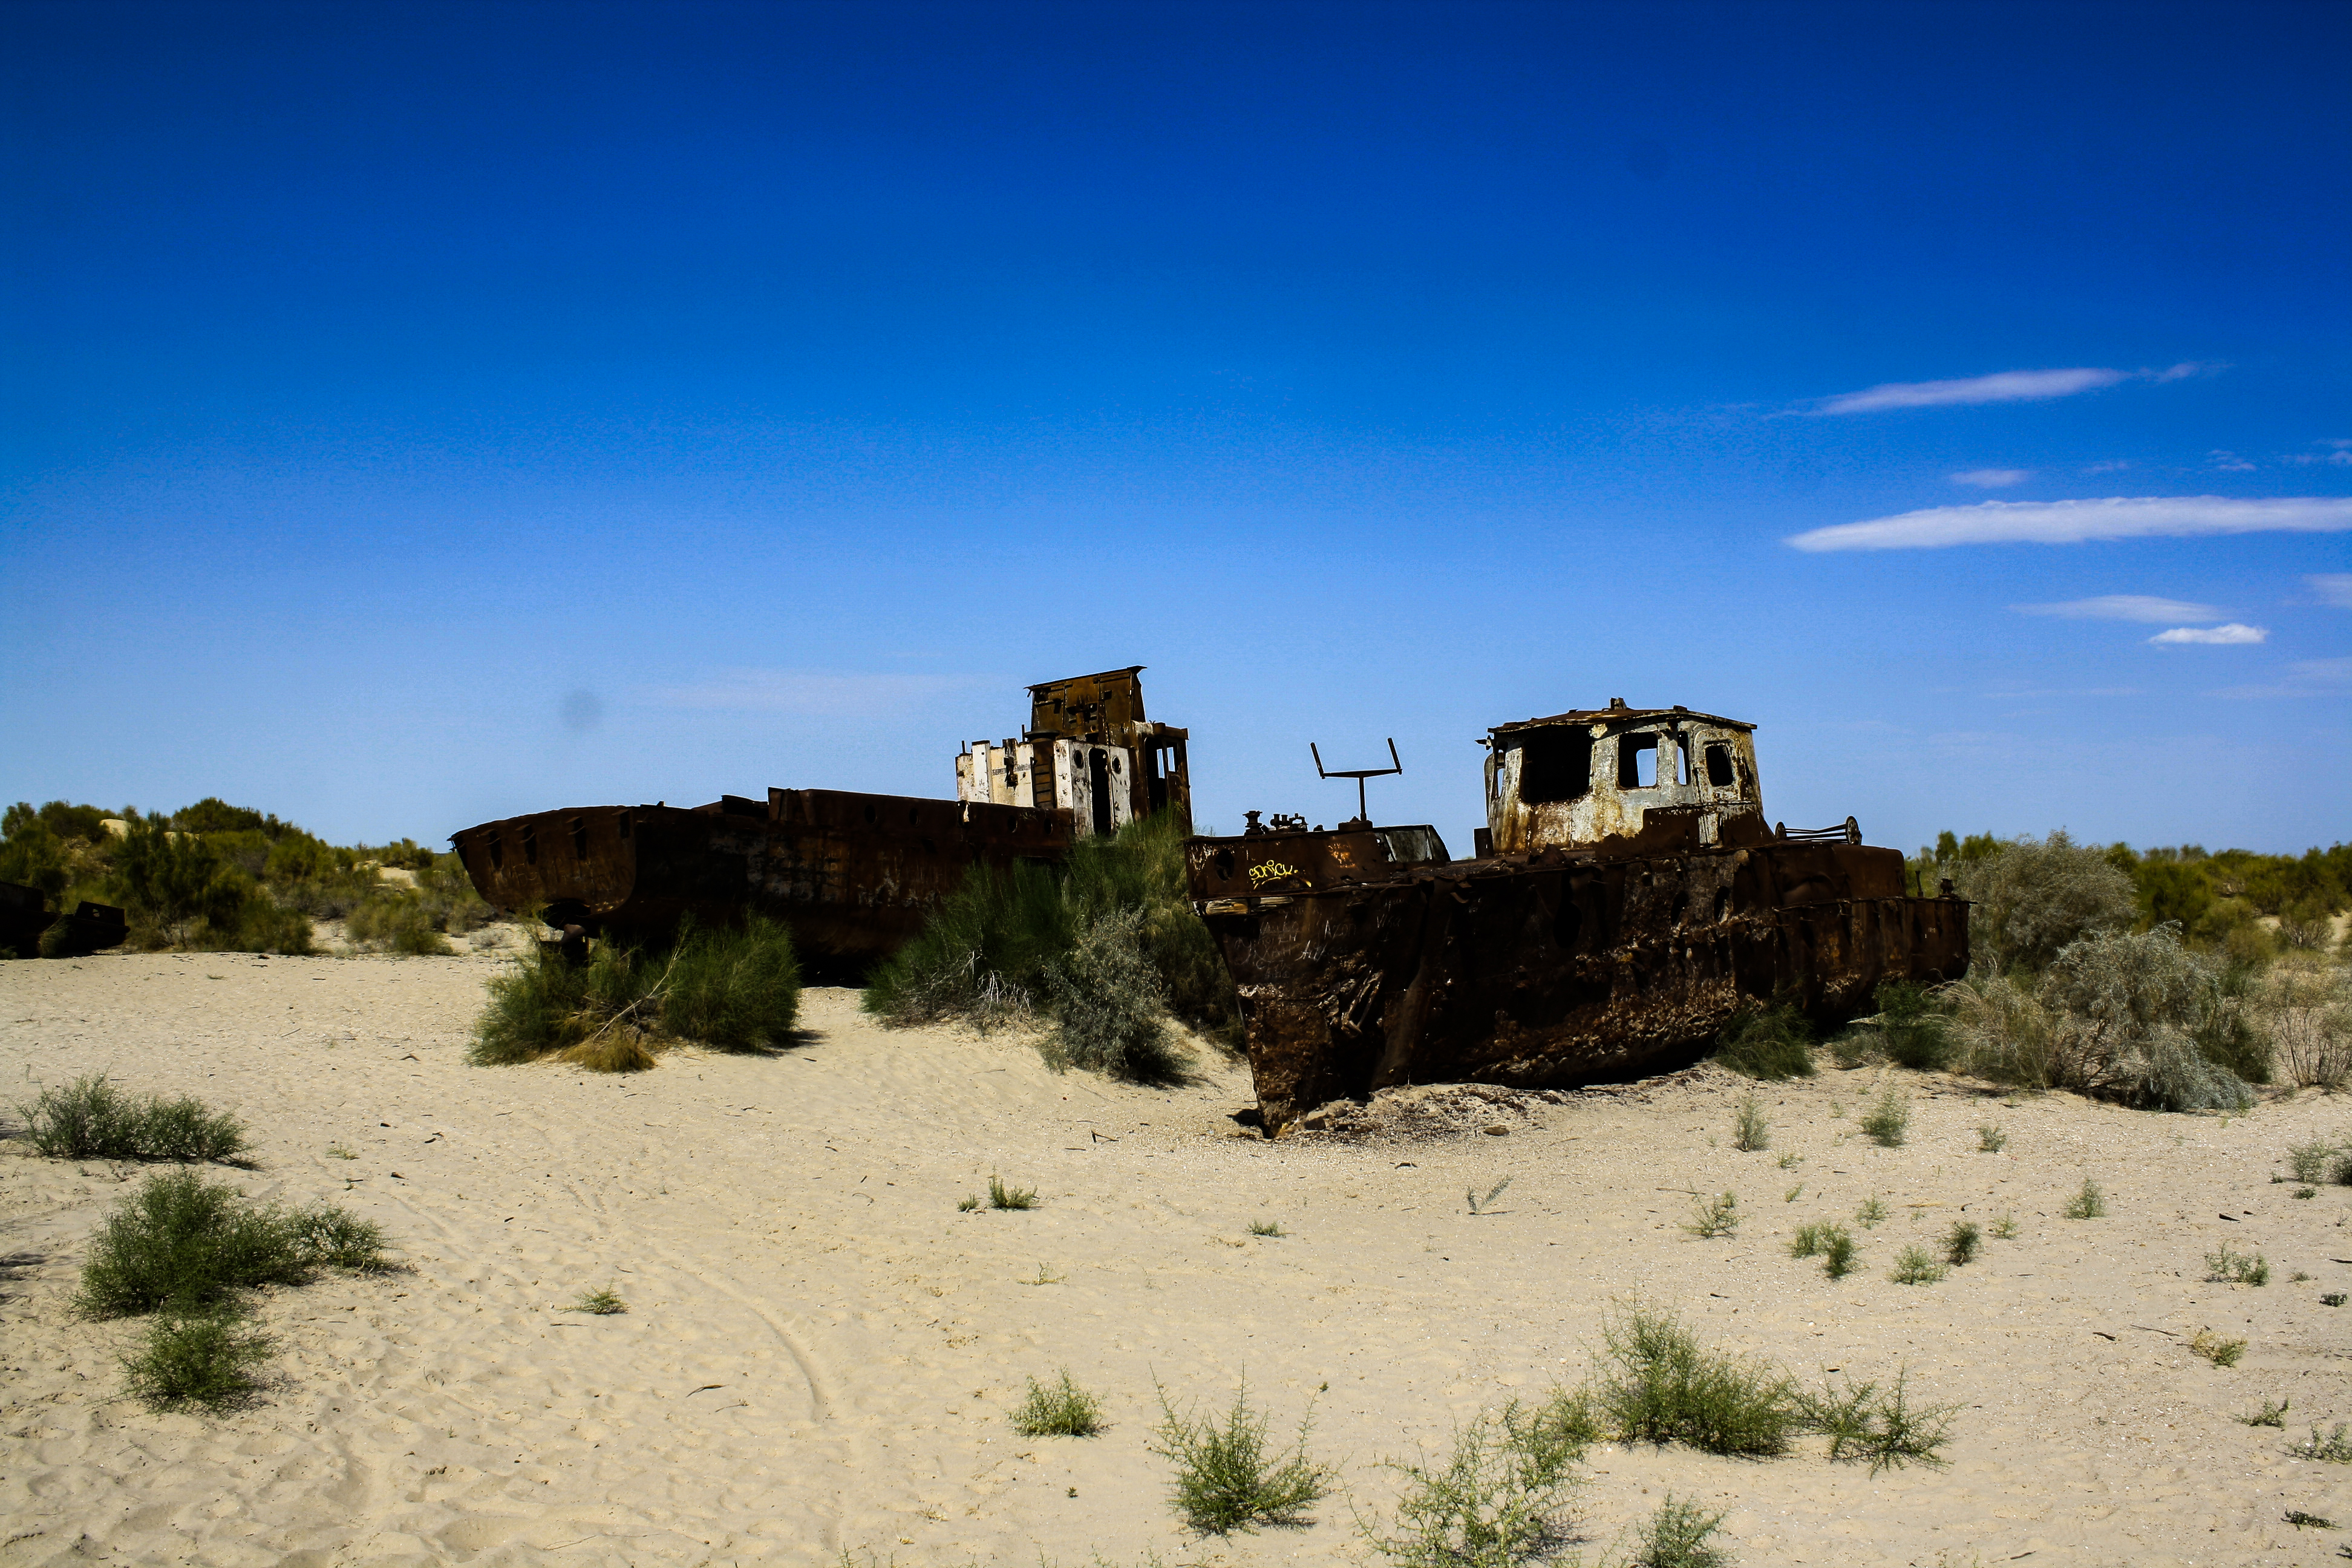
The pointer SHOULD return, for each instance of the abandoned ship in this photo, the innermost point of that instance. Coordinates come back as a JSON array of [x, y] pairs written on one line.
[[1626, 901], [853, 876]]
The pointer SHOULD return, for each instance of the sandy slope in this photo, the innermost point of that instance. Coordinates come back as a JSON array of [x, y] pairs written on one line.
[[820, 1350]]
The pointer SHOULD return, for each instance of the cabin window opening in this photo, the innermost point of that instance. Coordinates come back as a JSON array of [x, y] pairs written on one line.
[[498, 853], [1555, 764], [579, 839], [1637, 761], [625, 827], [1718, 765], [531, 846], [1684, 769]]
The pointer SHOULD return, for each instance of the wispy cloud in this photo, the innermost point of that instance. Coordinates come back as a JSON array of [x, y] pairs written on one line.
[[2307, 678], [2113, 465], [2125, 607], [810, 691], [2003, 386], [2229, 462], [2338, 454], [2333, 588], [1993, 479], [2230, 636], [2074, 522]]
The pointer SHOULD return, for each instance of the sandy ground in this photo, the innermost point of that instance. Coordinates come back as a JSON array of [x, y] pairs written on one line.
[[820, 1352]]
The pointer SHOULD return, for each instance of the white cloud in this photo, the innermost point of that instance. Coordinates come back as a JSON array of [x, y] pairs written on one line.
[[2125, 607], [2007, 387], [2073, 521], [2114, 466], [2333, 588], [2338, 453], [1993, 479], [2184, 369], [810, 691], [2230, 636], [2230, 462]]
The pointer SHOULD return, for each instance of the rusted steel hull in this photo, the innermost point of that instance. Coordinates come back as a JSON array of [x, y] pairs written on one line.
[[25, 917], [1550, 969], [854, 875]]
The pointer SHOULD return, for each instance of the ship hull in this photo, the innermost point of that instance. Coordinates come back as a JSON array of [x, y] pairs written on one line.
[[1556, 968]]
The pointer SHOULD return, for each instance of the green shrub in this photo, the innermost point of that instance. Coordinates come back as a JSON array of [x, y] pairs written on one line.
[[1750, 1131], [1889, 1121], [1502, 1497], [1960, 1243], [2225, 1265], [91, 1119], [1916, 1265], [1060, 1409], [2088, 1204], [1714, 1216], [1881, 1430], [200, 1360], [1990, 1139], [2222, 1352], [1768, 1043], [1109, 1009], [1657, 1386], [1677, 1536], [1871, 1214], [2031, 897], [734, 989], [1005, 946], [599, 1303], [2308, 1162], [1001, 1196], [1917, 1033], [1838, 1259], [1267, 1228], [2334, 1447], [2269, 1413], [189, 1246], [394, 918], [1227, 1477]]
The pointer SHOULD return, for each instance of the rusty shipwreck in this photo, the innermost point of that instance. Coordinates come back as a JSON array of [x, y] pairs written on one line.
[[1627, 899], [854, 875]]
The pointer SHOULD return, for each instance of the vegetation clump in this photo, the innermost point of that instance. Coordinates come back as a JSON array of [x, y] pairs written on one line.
[[2214, 1348], [599, 1303], [1680, 1534], [1915, 1028], [1750, 1131], [2225, 1265], [90, 1118], [1503, 1497], [1228, 1476], [203, 1359], [2088, 1204], [1001, 1196], [1916, 1265], [1058, 1409], [731, 988], [1960, 1243], [1104, 948], [1889, 1121], [1767, 1043], [1714, 1216], [1657, 1386]]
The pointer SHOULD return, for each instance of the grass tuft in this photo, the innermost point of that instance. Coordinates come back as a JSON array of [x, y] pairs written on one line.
[[1916, 1265], [1001, 1196], [1768, 1043], [201, 1360], [1267, 1228], [1960, 1243], [1715, 1216], [2225, 1265], [1749, 1133], [1657, 1386], [2005, 1228], [2307, 1163], [2270, 1413], [2217, 1350], [602, 1303], [1871, 1214], [2088, 1204], [1678, 1536], [1889, 1121], [1916, 1029], [1058, 1409], [1503, 1497], [1227, 1477], [2334, 1447], [90, 1118], [1990, 1139]]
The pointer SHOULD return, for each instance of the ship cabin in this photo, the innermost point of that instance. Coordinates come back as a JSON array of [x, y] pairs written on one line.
[[1088, 750], [1593, 775]]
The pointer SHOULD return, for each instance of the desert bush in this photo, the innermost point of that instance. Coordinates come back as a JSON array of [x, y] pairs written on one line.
[[2088, 1204], [394, 920], [2306, 1011], [89, 1118], [1715, 1216], [1750, 1131], [2308, 1162], [1267, 1228], [1871, 1214], [2033, 898], [2269, 1413], [1503, 1496], [1832, 1243], [2004, 1229], [1882, 1430], [602, 1303], [202, 1359], [189, 1246], [2333, 1447], [1768, 1042], [1917, 1033], [2225, 1265], [1109, 1011], [1888, 1122], [1960, 1243], [1228, 1477], [1678, 1536], [1001, 1196], [1990, 1139], [2002, 1031], [2222, 1352], [1058, 1409], [1657, 1386], [1916, 1265], [732, 988], [994, 948]]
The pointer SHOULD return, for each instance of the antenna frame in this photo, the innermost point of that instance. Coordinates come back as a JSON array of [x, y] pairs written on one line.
[[1363, 812]]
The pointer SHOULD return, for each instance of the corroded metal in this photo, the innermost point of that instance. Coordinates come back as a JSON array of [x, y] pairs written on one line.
[[25, 917], [854, 876], [1624, 925]]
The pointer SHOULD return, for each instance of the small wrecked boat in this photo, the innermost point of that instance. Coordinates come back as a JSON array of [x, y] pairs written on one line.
[[1626, 901], [854, 875], [26, 919]]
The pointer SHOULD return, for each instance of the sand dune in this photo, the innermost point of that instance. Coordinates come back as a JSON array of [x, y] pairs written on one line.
[[820, 1350]]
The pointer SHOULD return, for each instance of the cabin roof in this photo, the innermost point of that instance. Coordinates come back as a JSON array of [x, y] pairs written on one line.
[[1618, 713]]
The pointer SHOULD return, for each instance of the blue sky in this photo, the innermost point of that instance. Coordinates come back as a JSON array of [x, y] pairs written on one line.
[[419, 414]]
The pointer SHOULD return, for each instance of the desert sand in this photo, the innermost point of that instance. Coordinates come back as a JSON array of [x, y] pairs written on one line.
[[820, 1350]]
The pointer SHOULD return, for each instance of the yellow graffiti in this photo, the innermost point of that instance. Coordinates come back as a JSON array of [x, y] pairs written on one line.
[[1268, 870]]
